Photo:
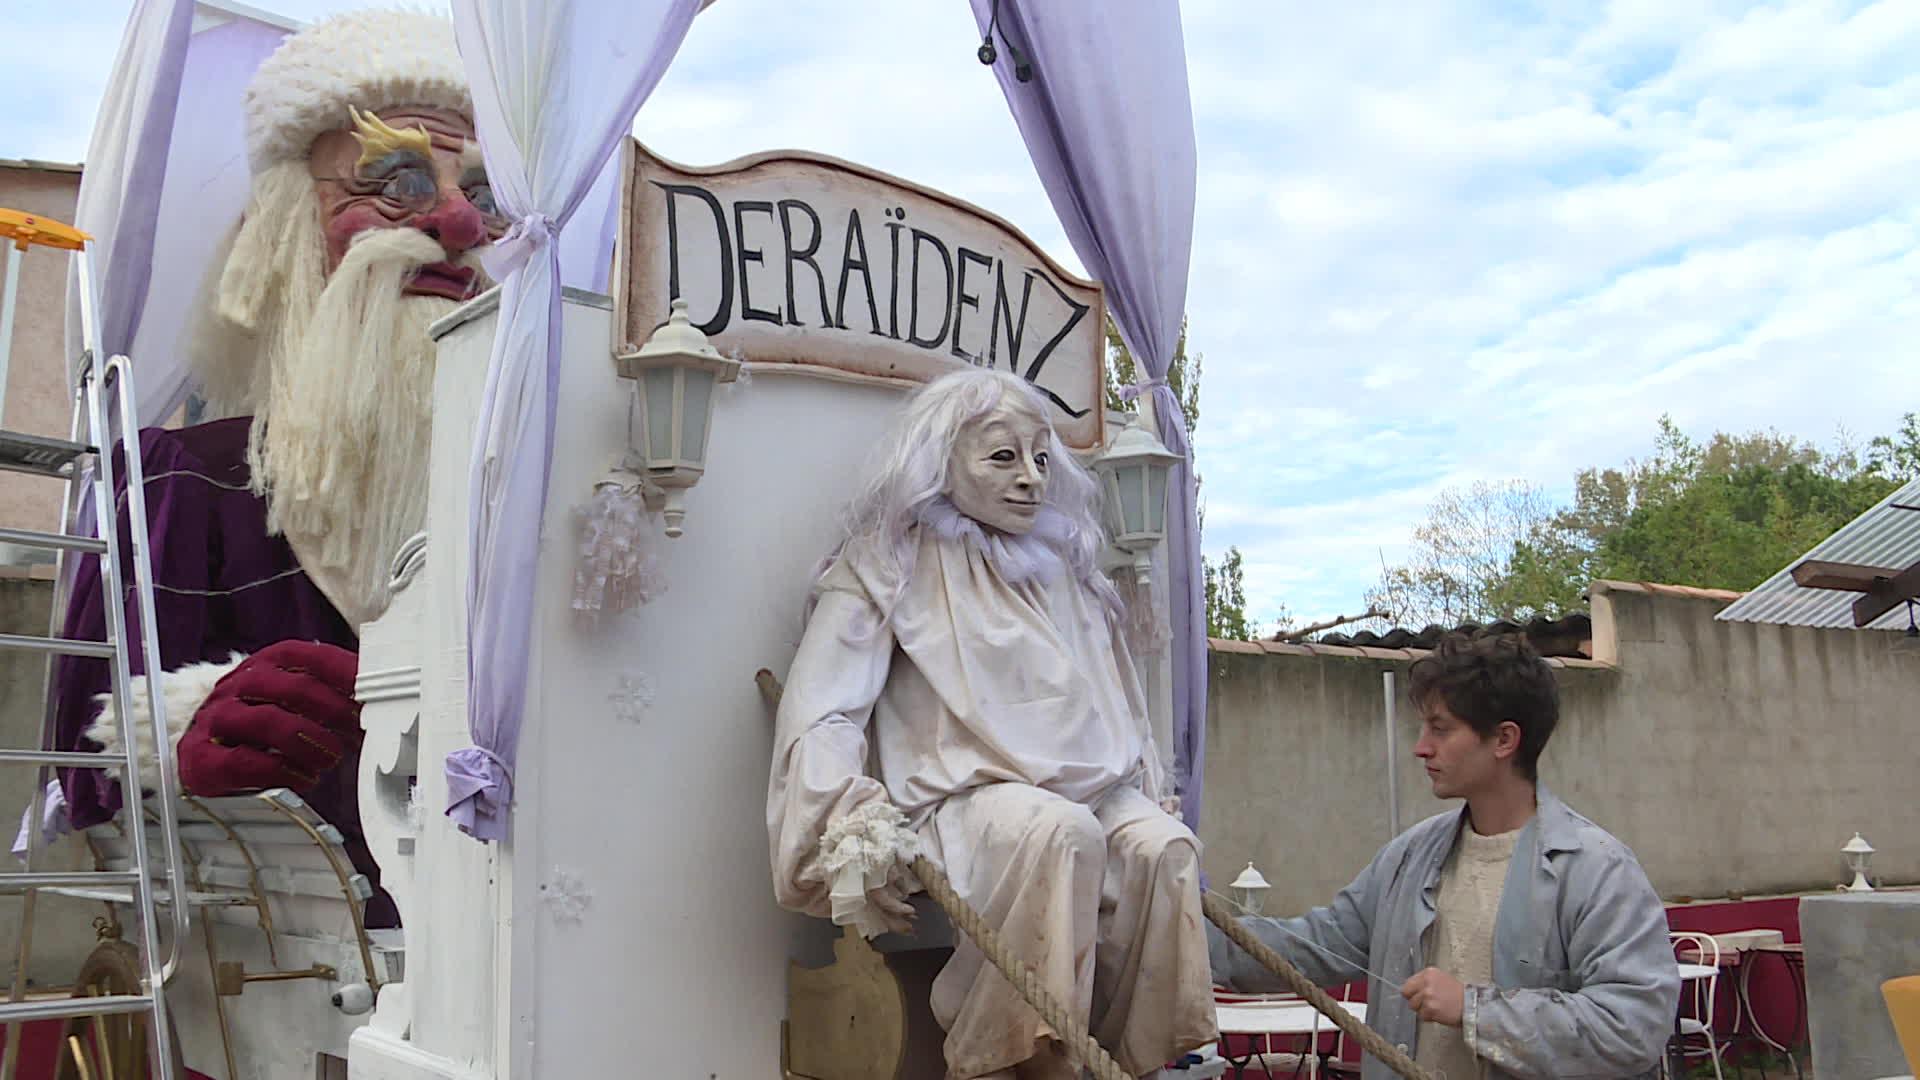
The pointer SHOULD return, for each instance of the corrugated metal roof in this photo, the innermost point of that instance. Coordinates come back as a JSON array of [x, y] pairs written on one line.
[[1886, 536]]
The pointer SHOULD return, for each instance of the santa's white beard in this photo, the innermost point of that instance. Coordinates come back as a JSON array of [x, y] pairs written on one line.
[[340, 446]]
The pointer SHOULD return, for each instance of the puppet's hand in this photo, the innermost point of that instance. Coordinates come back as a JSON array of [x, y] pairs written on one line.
[[1171, 804], [889, 901], [282, 718]]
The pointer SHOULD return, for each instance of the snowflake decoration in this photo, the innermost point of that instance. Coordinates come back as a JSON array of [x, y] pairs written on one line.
[[632, 697], [567, 897]]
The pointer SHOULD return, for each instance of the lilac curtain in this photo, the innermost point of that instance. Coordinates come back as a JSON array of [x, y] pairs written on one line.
[[160, 193], [1107, 119], [556, 84]]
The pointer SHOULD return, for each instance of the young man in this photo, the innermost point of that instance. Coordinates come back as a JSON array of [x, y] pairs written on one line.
[[1510, 938]]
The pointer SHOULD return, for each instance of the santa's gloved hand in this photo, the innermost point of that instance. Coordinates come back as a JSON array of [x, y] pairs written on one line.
[[282, 718]]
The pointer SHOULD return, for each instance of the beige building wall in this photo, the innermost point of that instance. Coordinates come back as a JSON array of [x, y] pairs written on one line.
[[36, 398], [1733, 758], [36, 402]]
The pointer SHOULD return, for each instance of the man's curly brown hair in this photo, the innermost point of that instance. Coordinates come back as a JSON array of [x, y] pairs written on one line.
[[1486, 679]]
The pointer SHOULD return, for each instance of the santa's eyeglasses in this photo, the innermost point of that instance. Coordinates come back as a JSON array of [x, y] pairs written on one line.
[[418, 192]]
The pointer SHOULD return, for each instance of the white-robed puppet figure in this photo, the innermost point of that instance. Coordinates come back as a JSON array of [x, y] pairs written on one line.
[[964, 685]]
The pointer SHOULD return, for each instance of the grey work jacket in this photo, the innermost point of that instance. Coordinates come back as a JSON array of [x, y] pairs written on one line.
[[1584, 973]]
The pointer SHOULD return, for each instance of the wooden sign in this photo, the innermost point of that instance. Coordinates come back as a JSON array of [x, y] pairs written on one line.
[[796, 258]]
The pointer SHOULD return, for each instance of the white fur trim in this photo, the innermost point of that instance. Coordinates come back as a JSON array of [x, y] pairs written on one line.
[[183, 690], [369, 59]]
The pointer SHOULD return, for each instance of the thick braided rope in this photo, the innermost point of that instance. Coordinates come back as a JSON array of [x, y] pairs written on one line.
[[1083, 1046], [1370, 1040]]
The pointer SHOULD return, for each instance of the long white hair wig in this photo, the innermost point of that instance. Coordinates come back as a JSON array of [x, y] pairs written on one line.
[[908, 490]]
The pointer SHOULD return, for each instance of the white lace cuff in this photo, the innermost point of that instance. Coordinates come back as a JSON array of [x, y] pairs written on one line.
[[859, 853]]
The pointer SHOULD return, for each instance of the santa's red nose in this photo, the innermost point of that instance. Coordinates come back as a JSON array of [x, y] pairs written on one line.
[[454, 223]]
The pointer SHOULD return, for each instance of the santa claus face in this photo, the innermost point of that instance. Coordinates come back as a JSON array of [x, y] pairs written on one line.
[[998, 473], [415, 168]]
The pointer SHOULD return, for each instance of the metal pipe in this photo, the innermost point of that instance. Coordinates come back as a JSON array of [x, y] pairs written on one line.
[[1393, 754], [93, 378], [8, 294], [120, 371]]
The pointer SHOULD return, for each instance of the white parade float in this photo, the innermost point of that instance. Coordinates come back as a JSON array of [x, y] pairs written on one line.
[[623, 923]]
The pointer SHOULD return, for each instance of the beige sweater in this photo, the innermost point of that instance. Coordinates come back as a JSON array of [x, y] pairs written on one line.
[[1461, 940]]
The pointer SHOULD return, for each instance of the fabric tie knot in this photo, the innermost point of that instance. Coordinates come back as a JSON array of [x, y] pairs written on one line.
[[1128, 393], [522, 239], [479, 787]]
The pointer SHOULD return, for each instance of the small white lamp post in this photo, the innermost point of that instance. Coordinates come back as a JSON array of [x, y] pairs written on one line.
[[1133, 472], [1859, 853], [673, 375], [1252, 888]]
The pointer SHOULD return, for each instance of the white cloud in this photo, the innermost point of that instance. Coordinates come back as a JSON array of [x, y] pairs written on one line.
[[1434, 242]]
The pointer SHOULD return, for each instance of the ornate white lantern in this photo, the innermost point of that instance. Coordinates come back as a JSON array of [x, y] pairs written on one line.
[[674, 375], [1252, 888], [1133, 472], [1859, 853]]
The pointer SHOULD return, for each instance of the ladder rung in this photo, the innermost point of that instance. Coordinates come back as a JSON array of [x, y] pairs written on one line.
[[52, 541], [67, 646], [38, 454], [71, 759], [61, 1008], [78, 879]]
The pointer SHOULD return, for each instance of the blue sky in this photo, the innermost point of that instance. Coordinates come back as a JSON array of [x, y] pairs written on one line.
[[1435, 242]]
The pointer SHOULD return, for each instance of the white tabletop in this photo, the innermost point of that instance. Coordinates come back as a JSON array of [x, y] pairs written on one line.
[[1278, 1017], [1689, 972]]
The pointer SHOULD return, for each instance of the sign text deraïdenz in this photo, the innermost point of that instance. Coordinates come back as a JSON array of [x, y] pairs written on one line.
[[969, 298]]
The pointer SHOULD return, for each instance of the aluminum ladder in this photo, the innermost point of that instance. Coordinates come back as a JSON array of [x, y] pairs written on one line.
[[86, 471]]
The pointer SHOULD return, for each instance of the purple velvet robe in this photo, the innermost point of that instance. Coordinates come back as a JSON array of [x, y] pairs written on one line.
[[221, 585]]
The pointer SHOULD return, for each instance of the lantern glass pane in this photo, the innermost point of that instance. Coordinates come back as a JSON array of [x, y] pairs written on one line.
[[1156, 499], [1132, 493], [699, 406], [659, 393]]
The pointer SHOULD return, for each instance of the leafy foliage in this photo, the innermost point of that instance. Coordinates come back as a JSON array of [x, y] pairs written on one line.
[[1727, 513]]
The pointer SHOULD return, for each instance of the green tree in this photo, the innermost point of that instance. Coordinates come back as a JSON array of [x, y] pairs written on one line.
[[1183, 375], [1897, 456], [1224, 582], [1461, 554], [1726, 513], [1226, 597]]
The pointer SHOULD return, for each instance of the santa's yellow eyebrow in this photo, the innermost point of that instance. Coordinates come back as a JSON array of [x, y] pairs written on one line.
[[377, 140]]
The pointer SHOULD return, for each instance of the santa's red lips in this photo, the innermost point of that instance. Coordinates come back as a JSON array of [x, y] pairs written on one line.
[[442, 279]]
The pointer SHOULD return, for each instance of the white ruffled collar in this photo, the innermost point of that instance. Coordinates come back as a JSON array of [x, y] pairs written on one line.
[[1034, 556]]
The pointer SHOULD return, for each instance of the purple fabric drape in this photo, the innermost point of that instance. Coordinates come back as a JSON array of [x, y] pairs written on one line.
[[555, 87], [1109, 124], [166, 177]]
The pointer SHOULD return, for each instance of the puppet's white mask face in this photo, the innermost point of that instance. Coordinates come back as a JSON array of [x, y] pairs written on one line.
[[998, 473]]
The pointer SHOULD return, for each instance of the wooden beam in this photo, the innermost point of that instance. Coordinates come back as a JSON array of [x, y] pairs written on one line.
[[1886, 595], [1848, 577]]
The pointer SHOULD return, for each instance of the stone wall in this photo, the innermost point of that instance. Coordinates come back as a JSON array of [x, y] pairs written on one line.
[[37, 400], [1734, 758]]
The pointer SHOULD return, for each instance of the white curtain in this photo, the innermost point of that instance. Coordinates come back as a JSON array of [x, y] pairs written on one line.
[[1108, 122], [556, 84], [165, 179]]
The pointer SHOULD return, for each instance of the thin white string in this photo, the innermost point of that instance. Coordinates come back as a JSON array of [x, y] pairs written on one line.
[[1309, 942]]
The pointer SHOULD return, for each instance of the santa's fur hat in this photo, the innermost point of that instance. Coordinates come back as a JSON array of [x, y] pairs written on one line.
[[369, 59]]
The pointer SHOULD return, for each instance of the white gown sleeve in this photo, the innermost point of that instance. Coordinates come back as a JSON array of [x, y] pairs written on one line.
[[819, 774]]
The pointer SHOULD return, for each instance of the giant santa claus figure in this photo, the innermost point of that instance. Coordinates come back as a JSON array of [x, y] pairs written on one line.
[[273, 528], [964, 689]]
